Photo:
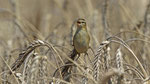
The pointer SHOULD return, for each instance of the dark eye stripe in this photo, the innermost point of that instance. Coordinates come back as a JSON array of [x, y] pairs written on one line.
[[78, 22]]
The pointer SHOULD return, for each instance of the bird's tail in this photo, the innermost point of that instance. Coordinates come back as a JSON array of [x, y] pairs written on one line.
[[73, 54], [68, 64]]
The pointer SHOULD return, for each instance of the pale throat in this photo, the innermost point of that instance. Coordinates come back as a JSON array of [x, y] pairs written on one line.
[[82, 28]]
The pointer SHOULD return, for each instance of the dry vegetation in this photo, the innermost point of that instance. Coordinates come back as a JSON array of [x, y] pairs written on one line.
[[36, 41]]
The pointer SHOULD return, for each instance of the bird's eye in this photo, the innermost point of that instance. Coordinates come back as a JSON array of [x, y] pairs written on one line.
[[79, 22], [83, 22]]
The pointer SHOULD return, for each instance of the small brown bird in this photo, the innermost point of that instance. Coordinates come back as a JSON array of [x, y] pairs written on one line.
[[81, 42], [81, 38]]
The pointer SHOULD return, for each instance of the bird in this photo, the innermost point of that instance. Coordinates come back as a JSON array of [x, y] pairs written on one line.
[[81, 40]]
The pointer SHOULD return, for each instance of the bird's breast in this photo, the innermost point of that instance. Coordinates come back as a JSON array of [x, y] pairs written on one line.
[[81, 41]]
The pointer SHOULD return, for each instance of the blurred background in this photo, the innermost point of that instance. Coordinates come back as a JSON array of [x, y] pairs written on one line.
[[23, 21]]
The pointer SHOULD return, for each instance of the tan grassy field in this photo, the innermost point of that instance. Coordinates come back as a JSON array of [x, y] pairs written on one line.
[[36, 41]]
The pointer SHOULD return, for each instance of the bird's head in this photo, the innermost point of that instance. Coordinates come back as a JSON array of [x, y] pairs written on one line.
[[81, 23]]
